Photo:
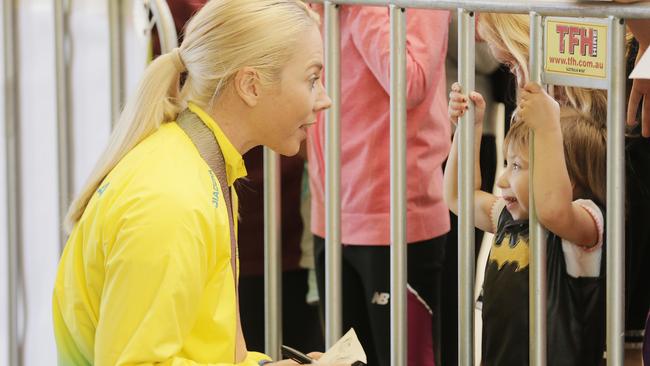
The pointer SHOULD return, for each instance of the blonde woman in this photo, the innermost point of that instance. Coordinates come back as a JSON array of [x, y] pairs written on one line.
[[149, 274]]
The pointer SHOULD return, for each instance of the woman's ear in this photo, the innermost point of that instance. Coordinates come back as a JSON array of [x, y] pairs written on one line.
[[247, 85]]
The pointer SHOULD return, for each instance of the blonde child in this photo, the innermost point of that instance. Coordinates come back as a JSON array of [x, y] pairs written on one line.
[[569, 189]]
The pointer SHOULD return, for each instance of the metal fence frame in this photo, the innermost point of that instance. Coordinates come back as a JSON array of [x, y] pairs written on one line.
[[615, 173]]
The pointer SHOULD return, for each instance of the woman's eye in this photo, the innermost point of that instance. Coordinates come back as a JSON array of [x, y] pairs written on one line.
[[314, 81]]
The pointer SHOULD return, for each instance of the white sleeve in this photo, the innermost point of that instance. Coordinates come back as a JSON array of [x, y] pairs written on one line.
[[581, 261]]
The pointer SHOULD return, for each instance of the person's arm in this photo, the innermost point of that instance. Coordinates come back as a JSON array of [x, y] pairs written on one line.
[[640, 87], [553, 190], [640, 93], [483, 201], [426, 46], [155, 275]]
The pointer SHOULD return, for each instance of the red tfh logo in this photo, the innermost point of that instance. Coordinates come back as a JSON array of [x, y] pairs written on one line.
[[584, 38]]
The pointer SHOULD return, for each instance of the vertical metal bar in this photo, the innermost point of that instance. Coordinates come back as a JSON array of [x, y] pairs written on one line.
[[333, 298], [273, 255], [116, 57], [537, 278], [12, 146], [62, 48], [165, 24], [398, 253], [615, 248], [466, 73]]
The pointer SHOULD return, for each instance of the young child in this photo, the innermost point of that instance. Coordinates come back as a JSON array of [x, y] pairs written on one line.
[[569, 189]]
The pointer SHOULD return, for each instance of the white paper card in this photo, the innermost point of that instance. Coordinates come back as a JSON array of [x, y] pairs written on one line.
[[346, 351], [642, 69]]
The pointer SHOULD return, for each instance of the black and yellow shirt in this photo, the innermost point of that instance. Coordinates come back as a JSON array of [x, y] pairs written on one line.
[[146, 276], [575, 295]]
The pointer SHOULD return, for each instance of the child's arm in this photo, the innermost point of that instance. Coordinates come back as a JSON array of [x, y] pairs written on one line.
[[483, 201], [553, 189]]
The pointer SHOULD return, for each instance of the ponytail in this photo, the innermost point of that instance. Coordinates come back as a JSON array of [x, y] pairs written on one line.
[[155, 102]]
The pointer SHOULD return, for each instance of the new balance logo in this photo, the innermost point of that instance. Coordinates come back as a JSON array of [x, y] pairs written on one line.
[[380, 298]]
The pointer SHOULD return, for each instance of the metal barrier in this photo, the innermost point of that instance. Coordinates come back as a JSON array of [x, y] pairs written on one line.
[[12, 140], [116, 62], [616, 191], [272, 254], [615, 173], [398, 316], [63, 55], [537, 237], [161, 18], [333, 307], [466, 72]]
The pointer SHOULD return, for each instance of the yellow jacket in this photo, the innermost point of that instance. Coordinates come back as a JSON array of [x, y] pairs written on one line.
[[146, 276]]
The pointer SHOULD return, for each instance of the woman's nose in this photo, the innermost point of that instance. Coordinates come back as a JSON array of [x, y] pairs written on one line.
[[323, 102]]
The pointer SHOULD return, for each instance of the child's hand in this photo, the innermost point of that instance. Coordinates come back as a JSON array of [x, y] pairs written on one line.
[[458, 105], [537, 109]]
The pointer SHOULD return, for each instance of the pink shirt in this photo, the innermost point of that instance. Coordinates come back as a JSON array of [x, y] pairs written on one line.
[[365, 135]]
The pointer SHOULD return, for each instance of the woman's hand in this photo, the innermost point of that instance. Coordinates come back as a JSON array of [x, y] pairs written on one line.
[[538, 109], [459, 104]]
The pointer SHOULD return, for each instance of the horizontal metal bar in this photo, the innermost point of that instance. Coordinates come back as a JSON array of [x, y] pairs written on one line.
[[596, 9]]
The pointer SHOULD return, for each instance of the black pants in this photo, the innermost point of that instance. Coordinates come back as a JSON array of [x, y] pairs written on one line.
[[366, 289], [301, 322]]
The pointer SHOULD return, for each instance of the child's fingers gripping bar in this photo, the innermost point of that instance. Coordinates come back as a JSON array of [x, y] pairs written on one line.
[[290, 353]]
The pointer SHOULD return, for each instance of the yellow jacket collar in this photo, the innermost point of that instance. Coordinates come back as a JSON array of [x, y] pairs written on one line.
[[235, 167]]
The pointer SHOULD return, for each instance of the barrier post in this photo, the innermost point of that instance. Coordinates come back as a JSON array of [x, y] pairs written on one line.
[[398, 252], [272, 255], [333, 297], [62, 49], [116, 58], [537, 240], [12, 149], [466, 73], [615, 246]]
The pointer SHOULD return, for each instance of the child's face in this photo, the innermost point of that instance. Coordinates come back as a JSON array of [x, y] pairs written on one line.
[[514, 182]]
